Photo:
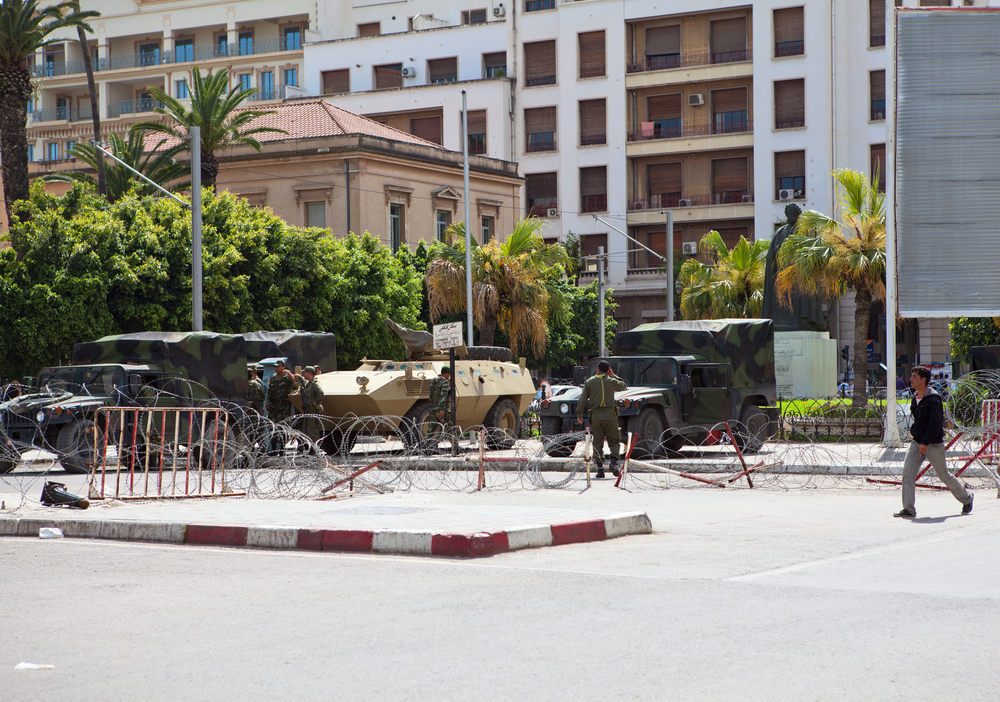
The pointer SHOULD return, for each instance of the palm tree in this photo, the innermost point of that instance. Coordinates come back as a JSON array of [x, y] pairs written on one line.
[[828, 257], [159, 166], [731, 286], [24, 28], [214, 110], [510, 287]]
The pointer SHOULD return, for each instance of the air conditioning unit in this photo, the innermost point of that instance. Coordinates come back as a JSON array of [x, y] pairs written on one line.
[[499, 10], [690, 248], [786, 195], [683, 202], [696, 99], [748, 198], [639, 205], [409, 72], [552, 212]]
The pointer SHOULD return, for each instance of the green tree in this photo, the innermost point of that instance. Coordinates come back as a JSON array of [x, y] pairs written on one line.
[[217, 112], [731, 286], [967, 332], [157, 165], [575, 336], [511, 288], [24, 28], [828, 256]]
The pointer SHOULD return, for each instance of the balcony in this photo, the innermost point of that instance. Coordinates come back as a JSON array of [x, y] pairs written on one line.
[[692, 130], [592, 72], [57, 114], [595, 203], [732, 197], [594, 140], [789, 48], [541, 141], [658, 201], [275, 92], [541, 80], [790, 123], [132, 107], [660, 63]]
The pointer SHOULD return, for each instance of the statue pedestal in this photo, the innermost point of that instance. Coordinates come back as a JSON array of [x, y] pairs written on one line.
[[805, 364]]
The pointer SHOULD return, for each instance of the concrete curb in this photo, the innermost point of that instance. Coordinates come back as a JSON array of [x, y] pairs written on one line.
[[424, 543]]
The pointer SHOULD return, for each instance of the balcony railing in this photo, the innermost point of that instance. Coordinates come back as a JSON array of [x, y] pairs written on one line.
[[541, 80], [877, 40], [541, 206], [685, 60], [646, 272], [271, 92], [658, 201], [540, 143], [789, 48], [58, 114], [594, 139], [732, 197], [790, 123], [592, 71], [595, 203], [132, 107], [692, 130]]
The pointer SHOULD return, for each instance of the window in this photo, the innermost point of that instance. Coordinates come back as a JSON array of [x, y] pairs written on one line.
[[316, 214], [663, 48], [62, 108], [291, 76], [245, 79], [495, 65], [443, 70], [594, 189], [789, 103], [730, 110], [729, 180], [788, 32], [593, 122], [246, 43], [395, 227], [389, 76], [663, 182], [181, 89], [149, 54], [52, 151], [338, 81], [540, 63], [591, 244], [540, 129], [292, 38], [664, 112], [790, 175], [443, 222], [540, 189], [474, 17], [70, 145], [31, 152], [878, 166], [591, 54], [222, 44], [729, 40], [31, 105], [266, 86], [876, 84], [487, 233], [183, 50], [50, 65], [428, 128], [372, 29], [876, 22], [536, 5], [477, 131], [145, 102]]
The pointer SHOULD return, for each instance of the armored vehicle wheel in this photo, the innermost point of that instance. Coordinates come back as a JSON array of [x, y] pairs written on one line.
[[503, 424], [75, 445], [753, 432], [648, 427], [555, 443], [7, 466], [415, 424], [490, 353], [337, 442]]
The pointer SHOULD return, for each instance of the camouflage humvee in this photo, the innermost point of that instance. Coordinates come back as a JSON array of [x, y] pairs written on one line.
[[683, 378]]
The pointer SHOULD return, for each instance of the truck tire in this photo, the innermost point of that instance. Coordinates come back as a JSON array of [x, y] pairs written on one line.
[[7, 465], [752, 432], [490, 353], [503, 424], [648, 427], [555, 443], [75, 445], [413, 428], [337, 442]]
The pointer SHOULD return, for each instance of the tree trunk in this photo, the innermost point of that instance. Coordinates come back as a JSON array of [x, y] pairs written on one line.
[[102, 179], [862, 311], [14, 156], [487, 330], [209, 170]]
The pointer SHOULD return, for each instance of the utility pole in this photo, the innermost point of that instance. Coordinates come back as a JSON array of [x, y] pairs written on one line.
[[600, 298], [468, 224], [670, 265], [196, 230]]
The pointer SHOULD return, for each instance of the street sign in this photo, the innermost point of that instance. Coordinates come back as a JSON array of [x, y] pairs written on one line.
[[448, 336]]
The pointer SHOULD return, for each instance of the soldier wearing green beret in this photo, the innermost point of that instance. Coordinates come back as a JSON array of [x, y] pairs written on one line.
[[312, 403], [281, 385], [599, 391]]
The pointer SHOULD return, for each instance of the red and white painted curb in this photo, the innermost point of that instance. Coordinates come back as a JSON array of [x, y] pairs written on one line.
[[423, 543]]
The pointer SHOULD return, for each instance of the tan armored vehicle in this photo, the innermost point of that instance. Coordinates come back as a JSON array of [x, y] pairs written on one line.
[[491, 391]]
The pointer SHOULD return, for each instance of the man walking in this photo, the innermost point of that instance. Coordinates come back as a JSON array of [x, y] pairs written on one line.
[[440, 410], [927, 410], [599, 391]]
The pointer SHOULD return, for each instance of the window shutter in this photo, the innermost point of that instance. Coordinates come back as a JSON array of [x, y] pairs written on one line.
[[592, 54], [336, 81], [664, 107], [788, 25], [495, 60], [731, 100], [663, 40], [540, 185], [540, 119], [540, 60], [878, 165], [789, 103], [876, 18], [729, 35], [877, 79], [590, 243], [442, 69], [593, 122], [935, 3], [731, 235], [389, 76], [594, 181], [477, 121], [789, 164], [428, 128], [729, 174], [664, 178], [372, 29]]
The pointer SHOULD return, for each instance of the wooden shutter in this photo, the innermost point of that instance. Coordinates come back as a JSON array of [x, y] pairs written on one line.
[[663, 40], [935, 3], [729, 35], [540, 185], [790, 164], [389, 76], [664, 178], [876, 18], [594, 181], [788, 25], [731, 235], [658, 243], [877, 79], [663, 107], [729, 174], [878, 165], [495, 60], [428, 128], [477, 121], [336, 81], [540, 119], [540, 60], [592, 54], [372, 29], [442, 69], [789, 103], [593, 122], [730, 100], [591, 242]]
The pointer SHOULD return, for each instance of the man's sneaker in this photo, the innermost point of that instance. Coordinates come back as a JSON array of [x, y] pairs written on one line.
[[905, 513], [967, 509], [600, 474], [613, 467]]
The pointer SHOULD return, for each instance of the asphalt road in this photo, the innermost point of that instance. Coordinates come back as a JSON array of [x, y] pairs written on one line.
[[738, 595]]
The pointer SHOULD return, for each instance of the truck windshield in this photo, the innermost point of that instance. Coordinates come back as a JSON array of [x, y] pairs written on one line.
[[642, 371], [95, 381]]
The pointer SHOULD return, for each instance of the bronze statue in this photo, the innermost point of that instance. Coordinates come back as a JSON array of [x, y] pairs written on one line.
[[806, 311]]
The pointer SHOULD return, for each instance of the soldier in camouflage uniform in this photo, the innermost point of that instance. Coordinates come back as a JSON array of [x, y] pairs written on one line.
[[440, 405], [281, 385], [312, 403], [257, 395], [600, 391]]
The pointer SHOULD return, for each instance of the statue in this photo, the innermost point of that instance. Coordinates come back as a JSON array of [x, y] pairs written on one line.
[[806, 312]]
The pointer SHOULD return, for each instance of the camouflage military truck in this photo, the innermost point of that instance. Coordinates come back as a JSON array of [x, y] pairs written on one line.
[[298, 348], [491, 391], [683, 378], [131, 370]]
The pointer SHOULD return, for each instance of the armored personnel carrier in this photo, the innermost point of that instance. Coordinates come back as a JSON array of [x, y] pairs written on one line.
[[491, 391]]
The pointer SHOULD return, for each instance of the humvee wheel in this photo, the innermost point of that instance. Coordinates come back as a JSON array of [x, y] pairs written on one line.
[[75, 445], [416, 422], [555, 443], [6, 466], [336, 443], [503, 424], [648, 428], [753, 432]]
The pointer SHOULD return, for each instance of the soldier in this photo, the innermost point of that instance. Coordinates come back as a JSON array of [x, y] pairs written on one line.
[[256, 394], [600, 390], [440, 404], [281, 385], [312, 403]]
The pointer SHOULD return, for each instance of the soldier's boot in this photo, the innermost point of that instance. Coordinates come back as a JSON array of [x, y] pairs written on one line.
[[613, 466], [55, 495]]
